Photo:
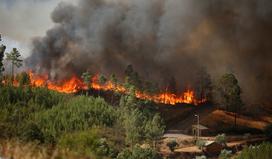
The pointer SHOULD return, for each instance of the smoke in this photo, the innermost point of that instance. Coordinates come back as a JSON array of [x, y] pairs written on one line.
[[21, 20], [162, 39]]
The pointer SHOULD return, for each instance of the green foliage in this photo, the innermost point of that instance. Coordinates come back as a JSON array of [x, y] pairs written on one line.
[[172, 145], [11, 95], [23, 78], [102, 79], [268, 131], [228, 93], [134, 126], [47, 98], [154, 128], [77, 114], [262, 151], [14, 57], [200, 143], [138, 153], [113, 79], [88, 143], [49, 117], [221, 139], [29, 96], [139, 124], [225, 154], [201, 157], [17, 104], [86, 76], [31, 132], [132, 78]]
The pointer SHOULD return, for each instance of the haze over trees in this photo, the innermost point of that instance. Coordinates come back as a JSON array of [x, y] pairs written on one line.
[[228, 94], [2, 53]]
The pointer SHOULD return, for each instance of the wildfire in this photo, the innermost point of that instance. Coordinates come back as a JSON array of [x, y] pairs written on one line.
[[75, 84]]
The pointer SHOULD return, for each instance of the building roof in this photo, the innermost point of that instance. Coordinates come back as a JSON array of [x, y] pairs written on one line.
[[209, 143], [200, 127]]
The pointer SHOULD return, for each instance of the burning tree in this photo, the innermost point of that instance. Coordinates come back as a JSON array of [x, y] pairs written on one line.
[[203, 85], [132, 78], [86, 77]]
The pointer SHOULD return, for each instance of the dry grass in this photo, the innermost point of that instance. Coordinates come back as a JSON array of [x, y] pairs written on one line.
[[228, 118], [17, 150]]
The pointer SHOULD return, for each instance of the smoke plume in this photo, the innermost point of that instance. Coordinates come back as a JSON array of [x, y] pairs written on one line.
[[162, 39]]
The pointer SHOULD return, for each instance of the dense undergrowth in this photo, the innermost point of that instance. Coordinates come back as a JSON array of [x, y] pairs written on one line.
[[80, 125], [262, 151]]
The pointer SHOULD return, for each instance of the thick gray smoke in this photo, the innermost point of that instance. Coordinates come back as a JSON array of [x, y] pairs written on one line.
[[161, 39]]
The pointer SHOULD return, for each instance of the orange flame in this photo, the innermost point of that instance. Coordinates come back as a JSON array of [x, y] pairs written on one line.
[[75, 84]]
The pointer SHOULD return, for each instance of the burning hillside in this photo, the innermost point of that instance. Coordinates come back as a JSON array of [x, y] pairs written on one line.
[[75, 84], [161, 39]]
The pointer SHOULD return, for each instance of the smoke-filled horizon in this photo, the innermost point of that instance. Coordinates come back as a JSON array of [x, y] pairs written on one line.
[[162, 39]]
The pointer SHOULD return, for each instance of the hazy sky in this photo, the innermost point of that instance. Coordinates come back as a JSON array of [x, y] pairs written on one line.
[[21, 20]]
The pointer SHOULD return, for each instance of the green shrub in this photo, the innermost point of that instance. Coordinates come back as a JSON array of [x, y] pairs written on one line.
[[79, 113], [221, 139], [31, 132], [201, 157], [200, 143], [225, 154], [125, 154], [138, 153], [262, 151], [47, 98], [88, 143]]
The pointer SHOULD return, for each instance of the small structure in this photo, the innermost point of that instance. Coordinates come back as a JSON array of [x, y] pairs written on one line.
[[212, 148], [203, 130]]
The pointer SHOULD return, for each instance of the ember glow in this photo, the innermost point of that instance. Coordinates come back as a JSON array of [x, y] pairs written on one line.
[[75, 84]]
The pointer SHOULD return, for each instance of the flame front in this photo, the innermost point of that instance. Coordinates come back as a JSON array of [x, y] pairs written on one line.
[[75, 84]]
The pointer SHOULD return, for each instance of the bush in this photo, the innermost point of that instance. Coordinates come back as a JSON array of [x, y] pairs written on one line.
[[201, 157], [47, 98], [172, 145], [23, 95], [225, 154], [88, 143], [221, 139], [262, 151], [138, 153], [200, 143], [79, 113], [31, 132]]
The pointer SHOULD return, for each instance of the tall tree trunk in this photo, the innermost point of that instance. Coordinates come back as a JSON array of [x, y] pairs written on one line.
[[235, 119], [12, 73], [112, 98]]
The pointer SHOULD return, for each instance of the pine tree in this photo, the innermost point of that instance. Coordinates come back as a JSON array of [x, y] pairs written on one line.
[[228, 94], [2, 51], [154, 129], [14, 57], [86, 77]]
